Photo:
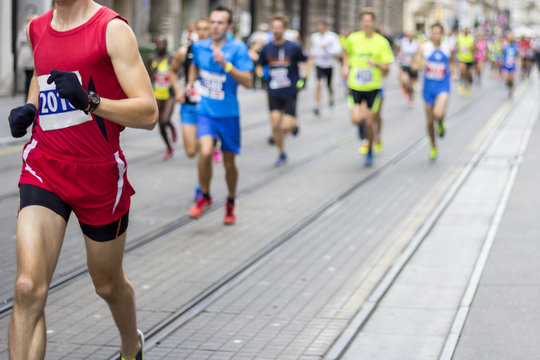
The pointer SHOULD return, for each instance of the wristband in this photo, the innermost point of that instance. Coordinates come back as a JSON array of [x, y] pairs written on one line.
[[228, 67]]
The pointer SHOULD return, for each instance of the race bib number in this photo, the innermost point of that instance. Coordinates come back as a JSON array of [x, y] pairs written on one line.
[[195, 94], [161, 80], [279, 78], [435, 71], [212, 85], [509, 61], [363, 76], [464, 49], [54, 112]]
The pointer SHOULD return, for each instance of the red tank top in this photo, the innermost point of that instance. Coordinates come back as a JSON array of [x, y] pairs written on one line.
[[83, 50]]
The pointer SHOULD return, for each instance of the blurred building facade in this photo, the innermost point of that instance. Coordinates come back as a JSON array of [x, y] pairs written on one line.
[[150, 18]]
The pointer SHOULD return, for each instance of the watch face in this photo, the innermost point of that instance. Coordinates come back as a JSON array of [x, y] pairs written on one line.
[[94, 99]]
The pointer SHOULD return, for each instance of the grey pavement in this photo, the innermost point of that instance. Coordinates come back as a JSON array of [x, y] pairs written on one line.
[[295, 302], [415, 318], [504, 318]]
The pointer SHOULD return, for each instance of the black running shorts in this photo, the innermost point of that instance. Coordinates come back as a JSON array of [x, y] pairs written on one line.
[[285, 104], [407, 69], [324, 73], [368, 96]]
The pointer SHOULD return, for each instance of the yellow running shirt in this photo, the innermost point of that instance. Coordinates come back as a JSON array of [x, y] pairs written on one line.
[[362, 76], [465, 45], [161, 80]]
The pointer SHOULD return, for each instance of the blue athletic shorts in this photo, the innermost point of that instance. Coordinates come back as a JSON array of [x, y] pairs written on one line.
[[188, 114], [431, 91], [226, 129], [509, 69]]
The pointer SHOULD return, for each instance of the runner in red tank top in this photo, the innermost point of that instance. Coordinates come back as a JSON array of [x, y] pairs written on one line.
[[80, 99]]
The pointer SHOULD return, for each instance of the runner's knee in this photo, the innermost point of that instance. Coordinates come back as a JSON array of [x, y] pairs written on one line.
[[30, 292], [229, 163], [107, 286], [191, 151]]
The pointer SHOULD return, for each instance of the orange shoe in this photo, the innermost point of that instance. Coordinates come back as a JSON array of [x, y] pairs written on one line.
[[230, 216], [200, 207]]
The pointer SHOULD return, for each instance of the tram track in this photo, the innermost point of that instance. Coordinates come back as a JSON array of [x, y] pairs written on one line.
[[197, 304], [232, 278]]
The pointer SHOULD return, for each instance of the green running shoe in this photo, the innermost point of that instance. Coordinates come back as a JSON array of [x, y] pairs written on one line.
[[433, 154]]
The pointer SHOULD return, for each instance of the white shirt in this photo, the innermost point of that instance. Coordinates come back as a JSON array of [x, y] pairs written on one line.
[[324, 47], [408, 48]]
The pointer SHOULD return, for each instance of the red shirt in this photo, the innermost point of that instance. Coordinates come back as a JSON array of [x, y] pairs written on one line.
[[60, 127]]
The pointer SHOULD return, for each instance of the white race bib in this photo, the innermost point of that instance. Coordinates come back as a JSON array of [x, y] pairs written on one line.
[[435, 71], [407, 59], [195, 95], [363, 76], [212, 85], [279, 78], [54, 112]]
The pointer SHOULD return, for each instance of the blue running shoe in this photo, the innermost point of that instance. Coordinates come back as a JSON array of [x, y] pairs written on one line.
[[281, 160], [198, 193], [369, 159]]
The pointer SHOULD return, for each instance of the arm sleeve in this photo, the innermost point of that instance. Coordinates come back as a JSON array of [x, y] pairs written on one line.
[[336, 46], [347, 45], [387, 55], [242, 60]]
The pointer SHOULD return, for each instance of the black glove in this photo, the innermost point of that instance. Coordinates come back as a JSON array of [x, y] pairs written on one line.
[[69, 87], [20, 119]]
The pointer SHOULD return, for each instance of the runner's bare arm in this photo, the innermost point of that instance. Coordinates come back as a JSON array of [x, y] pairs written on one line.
[[177, 61], [139, 110], [308, 66], [242, 77], [417, 64], [453, 64], [259, 70], [33, 90], [193, 74]]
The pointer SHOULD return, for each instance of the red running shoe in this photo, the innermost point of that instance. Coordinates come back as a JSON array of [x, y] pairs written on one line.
[[168, 154], [230, 216], [200, 207]]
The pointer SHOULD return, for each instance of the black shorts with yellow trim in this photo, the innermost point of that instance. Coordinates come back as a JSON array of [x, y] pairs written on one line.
[[371, 97]]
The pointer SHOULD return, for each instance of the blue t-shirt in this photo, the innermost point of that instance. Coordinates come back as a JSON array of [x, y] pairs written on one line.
[[283, 61], [218, 89], [509, 56]]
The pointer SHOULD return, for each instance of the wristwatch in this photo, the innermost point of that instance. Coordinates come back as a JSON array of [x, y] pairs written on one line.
[[93, 101]]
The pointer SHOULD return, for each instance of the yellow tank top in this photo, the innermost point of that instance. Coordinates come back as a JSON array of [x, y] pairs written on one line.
[[161, 80], [465, 45]]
